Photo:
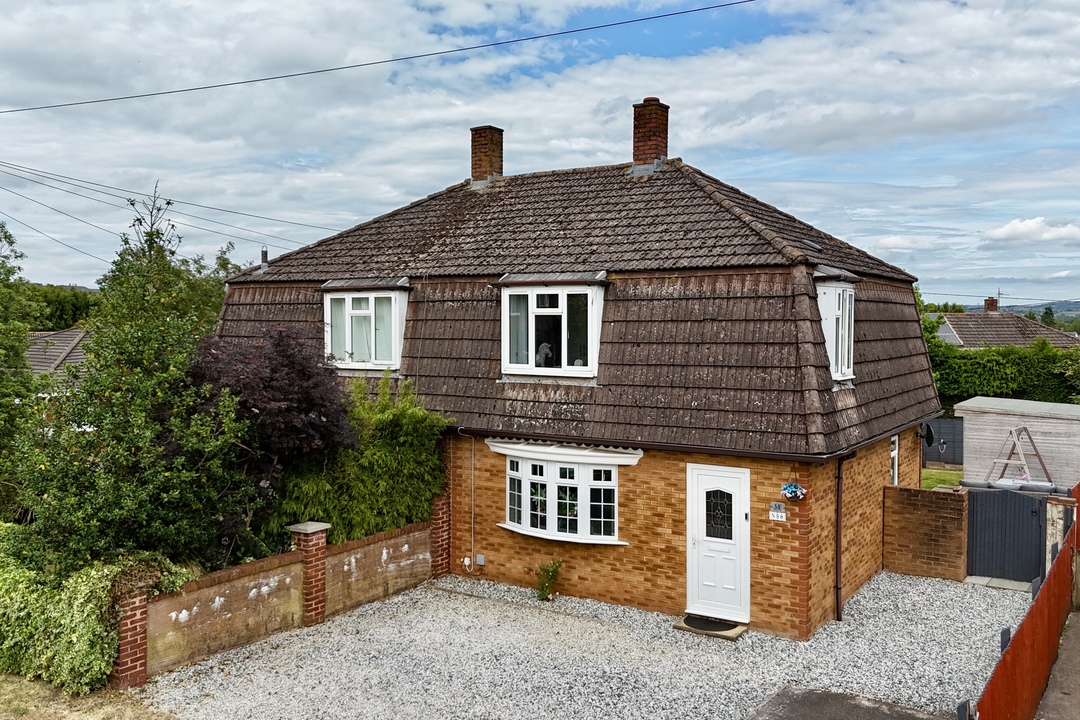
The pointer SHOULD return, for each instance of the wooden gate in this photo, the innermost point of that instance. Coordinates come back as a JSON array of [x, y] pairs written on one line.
[[1006, 534]]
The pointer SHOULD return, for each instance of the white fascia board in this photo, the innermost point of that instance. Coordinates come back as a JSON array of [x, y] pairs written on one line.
[[565, 453]]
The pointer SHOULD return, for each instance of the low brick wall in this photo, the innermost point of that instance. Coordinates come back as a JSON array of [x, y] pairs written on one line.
[[240, 605], [223, 610], [376, 567], [925, 533]]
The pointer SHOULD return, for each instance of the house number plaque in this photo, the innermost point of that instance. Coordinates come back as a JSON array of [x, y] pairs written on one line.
[[777, 512]]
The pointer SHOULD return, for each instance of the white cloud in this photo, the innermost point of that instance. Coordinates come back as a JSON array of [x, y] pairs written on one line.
[[899, 125], [1035, 230]]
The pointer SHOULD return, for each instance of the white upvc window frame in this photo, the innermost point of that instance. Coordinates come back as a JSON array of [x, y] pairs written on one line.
[[836, 303], [563, 358], [398, 300], [561, 492], [894, 459]]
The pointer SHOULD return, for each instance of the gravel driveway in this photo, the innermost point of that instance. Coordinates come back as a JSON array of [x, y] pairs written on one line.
[[436, 652]]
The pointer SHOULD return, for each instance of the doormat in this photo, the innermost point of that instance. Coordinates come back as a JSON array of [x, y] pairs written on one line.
[[710, 627]]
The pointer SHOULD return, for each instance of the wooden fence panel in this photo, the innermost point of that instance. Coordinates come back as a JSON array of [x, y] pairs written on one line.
[[1017, 683]]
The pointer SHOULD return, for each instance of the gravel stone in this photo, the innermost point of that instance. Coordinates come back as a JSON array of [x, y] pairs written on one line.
[[463, 648]]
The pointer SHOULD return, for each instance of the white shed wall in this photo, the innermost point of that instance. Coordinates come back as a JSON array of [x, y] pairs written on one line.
[[1055, 428]]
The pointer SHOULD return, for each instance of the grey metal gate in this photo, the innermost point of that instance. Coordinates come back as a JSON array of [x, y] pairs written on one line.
[[1006, 534]]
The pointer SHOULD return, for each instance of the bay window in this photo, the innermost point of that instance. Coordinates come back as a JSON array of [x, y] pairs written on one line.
[[563, 492]]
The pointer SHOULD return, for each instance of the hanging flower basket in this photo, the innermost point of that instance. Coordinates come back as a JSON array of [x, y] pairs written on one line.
[[793, 492]]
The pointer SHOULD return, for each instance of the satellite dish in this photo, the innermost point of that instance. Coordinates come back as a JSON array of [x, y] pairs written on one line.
[[928, 435]]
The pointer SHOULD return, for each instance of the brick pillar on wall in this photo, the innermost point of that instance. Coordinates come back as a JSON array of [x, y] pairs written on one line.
[[129, 670], [310, 538], [440, 536]]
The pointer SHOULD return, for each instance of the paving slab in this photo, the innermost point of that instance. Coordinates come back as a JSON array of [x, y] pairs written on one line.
[[1009, 585], [1061, 701], [794, 704]]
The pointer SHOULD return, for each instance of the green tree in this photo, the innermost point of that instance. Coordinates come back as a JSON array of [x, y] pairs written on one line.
[[387, 481], [17, 313], [134, 456], [1047, 317], [65, 306]]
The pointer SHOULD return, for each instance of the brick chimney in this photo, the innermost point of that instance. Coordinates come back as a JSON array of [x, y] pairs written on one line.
[[990, 304], [487, 152], [650, 131]]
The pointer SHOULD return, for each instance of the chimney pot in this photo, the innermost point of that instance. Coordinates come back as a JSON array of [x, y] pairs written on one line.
[[650, 131], [487, 152], [990, 304]]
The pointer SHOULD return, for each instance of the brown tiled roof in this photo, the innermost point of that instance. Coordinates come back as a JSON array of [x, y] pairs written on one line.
[[997, 329], [729, 359], [50, 351], [711, 335], [588, 219]]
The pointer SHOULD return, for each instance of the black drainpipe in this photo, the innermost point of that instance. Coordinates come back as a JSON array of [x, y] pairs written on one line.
[[840, 531]]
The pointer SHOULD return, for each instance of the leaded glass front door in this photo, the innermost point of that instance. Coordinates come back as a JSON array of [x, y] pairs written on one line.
[[718, 542]]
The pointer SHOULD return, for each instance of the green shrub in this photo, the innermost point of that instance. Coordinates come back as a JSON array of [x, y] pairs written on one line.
[[66, 631], [385, 483]]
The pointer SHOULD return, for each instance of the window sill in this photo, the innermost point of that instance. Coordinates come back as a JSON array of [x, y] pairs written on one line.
[[560, 538], [568, 372], [365, 371], [549, 380]]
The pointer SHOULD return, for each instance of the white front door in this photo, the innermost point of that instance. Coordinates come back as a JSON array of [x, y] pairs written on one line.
[[718, 542]]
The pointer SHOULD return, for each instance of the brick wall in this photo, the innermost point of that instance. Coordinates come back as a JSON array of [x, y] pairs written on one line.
[[791, 562], [242, 604], [130, 669], [925, 533], [650, 571], [864, 477], [376, 567], [225, 609]]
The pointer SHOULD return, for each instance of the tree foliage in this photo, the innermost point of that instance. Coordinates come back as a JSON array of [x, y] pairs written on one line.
[[386, 481], [18, 312], [65, 306], [135, 456]]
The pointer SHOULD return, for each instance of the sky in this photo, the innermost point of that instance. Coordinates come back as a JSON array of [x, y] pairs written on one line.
[[940, 136]]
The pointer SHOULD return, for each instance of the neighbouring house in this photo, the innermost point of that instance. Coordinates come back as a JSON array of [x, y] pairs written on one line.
[[49, 352], [994, 328], [638, 358]]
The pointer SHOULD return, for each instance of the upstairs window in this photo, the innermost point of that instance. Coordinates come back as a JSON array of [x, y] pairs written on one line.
[[836, 302], [364, 329], [552, 329]]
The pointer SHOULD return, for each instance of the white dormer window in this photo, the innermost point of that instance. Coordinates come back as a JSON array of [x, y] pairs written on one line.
[[836, 301], [551, 329], [365, 323]]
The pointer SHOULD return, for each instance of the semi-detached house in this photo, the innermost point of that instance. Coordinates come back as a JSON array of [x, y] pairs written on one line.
[[637, 358]]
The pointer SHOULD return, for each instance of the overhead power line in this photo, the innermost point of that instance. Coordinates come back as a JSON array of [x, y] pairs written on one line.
[[128, 193], [61, 242], [1003, 296], [373, 63]]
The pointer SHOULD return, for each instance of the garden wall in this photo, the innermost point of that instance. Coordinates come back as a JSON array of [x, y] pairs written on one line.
[[240, 605], [376, 567], [223, 610], [926, 533]]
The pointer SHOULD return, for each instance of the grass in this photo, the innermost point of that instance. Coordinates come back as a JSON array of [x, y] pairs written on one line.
[[34, 700], [932, 478]]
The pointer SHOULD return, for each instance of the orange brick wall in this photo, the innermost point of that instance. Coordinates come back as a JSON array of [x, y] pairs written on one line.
[[791, 563], [864, 477], [926, 533]]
